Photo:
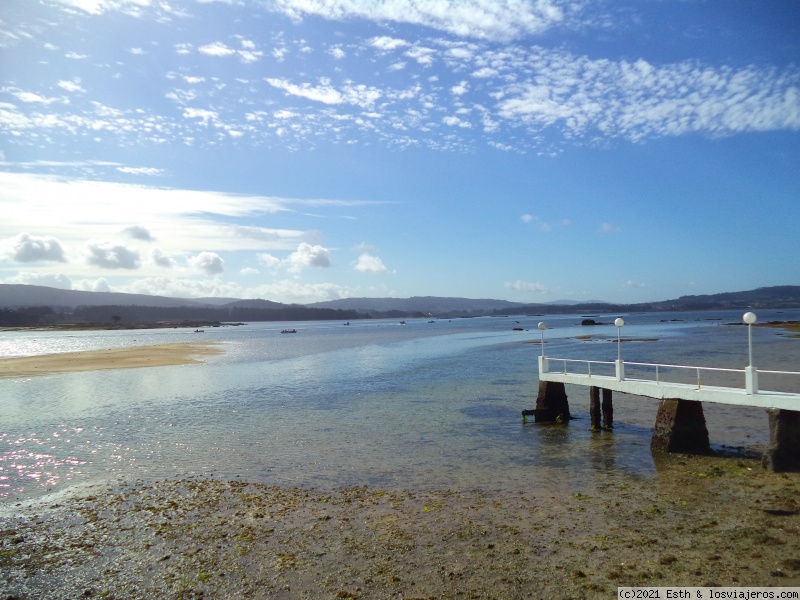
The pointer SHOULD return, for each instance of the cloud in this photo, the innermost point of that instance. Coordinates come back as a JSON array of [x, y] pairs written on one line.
[[92, 285], [609, 228], [209, 263], [368, 263], [387, 44], [71, 86], [30, 248], [138, 232], [247, 55], [526, 218], [498, 20], [358, 95], [160, 259], [633, 284], [141, 170], [111, 254], [307, 256], [247, 271], [526, 286], [269, 261], [54, 280]]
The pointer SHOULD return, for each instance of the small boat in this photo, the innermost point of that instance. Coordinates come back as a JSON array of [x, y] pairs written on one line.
[[348, 323], [402, 322], [288, 330], [199, 331], [516, 329]]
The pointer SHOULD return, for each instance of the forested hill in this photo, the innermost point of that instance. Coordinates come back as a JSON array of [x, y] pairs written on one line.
[[23, 305], [781, 296]]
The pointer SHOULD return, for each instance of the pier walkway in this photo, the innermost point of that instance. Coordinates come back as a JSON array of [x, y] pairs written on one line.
[[680, 423]]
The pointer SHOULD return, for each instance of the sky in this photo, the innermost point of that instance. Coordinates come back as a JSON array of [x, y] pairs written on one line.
[[309, 150]]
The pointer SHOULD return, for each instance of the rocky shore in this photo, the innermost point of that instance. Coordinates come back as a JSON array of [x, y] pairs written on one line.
[[703, 521]]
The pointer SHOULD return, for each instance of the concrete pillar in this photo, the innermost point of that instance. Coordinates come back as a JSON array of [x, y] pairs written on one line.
[[551, 403], [783, 451], [594, 407], [680, 427], [608, 410]]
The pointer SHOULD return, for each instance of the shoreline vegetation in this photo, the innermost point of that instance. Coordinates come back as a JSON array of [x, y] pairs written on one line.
[[701, 521], [116, 358]]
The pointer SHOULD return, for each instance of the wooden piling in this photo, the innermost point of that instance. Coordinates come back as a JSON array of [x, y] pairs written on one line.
[[594, 407], [608, 410]]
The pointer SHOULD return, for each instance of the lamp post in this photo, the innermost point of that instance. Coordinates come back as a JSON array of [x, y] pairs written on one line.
[[750, 374], [619, 322], [749, 318], [542, 327]]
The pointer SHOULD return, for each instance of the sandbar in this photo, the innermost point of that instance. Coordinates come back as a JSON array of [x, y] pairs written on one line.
[[115, 358]]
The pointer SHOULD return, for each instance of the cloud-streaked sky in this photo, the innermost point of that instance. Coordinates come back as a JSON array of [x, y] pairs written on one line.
[[306, 150]]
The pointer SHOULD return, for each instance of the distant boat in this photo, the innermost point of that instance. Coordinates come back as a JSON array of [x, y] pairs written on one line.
[[289, 331], [516, 329], [199, 331], [402, 322], [431, 321], [348, 323]]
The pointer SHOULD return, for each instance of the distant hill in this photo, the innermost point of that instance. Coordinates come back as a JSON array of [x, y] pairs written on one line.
[[13, 296], [432, 305], [18, 295]]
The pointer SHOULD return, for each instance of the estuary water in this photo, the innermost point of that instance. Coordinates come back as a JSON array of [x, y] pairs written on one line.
[[425, 405]]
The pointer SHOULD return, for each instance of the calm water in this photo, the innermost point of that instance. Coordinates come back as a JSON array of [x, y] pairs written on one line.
[[416, 406]]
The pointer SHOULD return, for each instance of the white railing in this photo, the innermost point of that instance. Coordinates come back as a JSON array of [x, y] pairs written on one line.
[[699, 375]]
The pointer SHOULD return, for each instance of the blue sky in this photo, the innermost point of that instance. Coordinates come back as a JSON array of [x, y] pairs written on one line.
[[307, 150]]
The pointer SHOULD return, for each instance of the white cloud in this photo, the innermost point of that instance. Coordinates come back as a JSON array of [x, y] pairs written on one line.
[[92, 285], [216, 49], [209, 263], [633, 284], [71, 86], [307, 256], [139, 232], [356, 94], [368, 263], [460, 89], [111, 254], [141, 170], [54, 280], [483, 19], [160, 259], [248, 271], [526, 286], [526, 218], [25, 248], [387, 44], [609, 228], [269, 261], [30, 97]]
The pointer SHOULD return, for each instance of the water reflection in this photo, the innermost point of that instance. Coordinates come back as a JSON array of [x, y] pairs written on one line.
[[419, 406]]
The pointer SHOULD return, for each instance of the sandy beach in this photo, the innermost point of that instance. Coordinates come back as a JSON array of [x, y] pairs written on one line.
[[703, 521], [117, 358]]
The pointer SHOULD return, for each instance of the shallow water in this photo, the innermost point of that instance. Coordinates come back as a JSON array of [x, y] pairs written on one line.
[[419, 406]]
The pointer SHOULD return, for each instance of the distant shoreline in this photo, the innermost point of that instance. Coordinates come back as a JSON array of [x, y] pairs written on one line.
[[122, 326]]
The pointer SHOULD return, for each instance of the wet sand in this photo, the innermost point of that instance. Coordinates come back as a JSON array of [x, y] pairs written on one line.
[[117, 358], [703, 521]]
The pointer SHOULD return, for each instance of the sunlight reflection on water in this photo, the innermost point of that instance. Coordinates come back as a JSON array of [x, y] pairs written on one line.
[[418, 406]]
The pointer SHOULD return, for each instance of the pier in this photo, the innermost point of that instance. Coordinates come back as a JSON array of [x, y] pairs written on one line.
[[682, 390]]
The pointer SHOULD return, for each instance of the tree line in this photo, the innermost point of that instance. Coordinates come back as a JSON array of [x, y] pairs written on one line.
[[128, 314]]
